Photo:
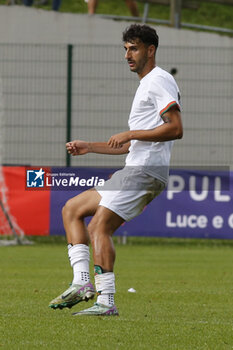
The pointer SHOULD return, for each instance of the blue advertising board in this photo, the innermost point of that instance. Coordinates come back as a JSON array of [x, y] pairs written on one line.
[[196, 204]]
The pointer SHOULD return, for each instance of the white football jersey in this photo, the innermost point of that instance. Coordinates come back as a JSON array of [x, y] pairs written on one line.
[[156, 93]]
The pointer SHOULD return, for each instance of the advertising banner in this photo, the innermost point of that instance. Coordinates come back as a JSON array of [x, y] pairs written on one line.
[[196, 203], [30, 209]]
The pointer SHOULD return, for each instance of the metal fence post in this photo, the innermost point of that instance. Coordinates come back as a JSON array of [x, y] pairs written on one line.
[[69, 99], [175, 13], [145, 13]]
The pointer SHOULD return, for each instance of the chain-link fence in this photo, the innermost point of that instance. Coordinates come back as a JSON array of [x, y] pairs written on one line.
[[55, 92]]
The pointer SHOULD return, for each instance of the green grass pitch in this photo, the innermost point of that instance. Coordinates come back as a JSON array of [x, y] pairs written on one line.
[[183, 298]]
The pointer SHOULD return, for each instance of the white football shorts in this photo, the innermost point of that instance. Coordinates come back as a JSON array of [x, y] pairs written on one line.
[[128, 191]]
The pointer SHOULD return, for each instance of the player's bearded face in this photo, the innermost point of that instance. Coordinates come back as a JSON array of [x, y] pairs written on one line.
[[136, 55]]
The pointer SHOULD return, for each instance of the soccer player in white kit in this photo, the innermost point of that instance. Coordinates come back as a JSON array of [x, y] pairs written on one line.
[[154, 122]]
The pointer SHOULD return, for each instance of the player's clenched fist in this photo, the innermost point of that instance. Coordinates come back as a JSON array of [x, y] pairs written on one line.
[[77, 147]]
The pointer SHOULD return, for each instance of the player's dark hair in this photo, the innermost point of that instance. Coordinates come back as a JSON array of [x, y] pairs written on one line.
[[142, 32]]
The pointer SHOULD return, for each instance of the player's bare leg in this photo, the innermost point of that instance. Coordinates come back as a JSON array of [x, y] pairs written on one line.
[[101, 229], [73, 213], [92, 5], [132, 5]]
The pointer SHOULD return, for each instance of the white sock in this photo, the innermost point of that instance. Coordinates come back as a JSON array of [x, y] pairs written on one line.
[[105, 286], [79, 256], [106, 299]]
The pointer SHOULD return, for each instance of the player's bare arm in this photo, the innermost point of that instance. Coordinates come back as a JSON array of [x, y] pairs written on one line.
[[79, 147], [171, 129]]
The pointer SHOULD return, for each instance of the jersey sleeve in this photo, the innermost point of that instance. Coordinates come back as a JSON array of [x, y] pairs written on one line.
[[165, 94]]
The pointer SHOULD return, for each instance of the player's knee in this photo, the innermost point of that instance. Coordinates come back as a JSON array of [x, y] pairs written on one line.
[[71, 210], [66, 210]]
